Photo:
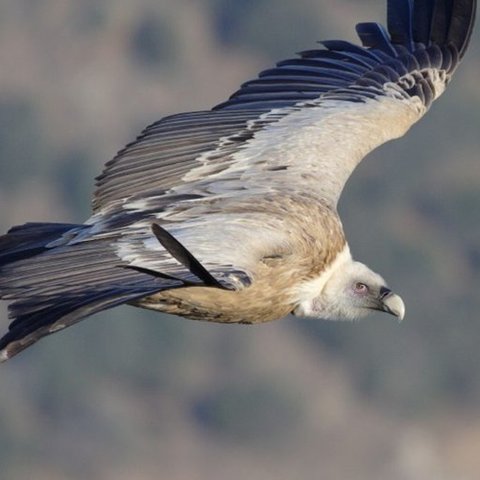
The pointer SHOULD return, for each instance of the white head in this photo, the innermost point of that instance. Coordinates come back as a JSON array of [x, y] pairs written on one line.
[[348, 290]]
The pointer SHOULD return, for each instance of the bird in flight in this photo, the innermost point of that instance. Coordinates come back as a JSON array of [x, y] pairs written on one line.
[[230, 215]]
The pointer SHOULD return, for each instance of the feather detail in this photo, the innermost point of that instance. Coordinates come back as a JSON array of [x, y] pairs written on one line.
[[180, 253]]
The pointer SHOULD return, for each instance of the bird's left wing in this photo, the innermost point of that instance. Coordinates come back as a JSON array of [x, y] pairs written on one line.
[[301, 127]]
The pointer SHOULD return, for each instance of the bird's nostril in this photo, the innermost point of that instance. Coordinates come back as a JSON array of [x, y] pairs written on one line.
[[384, 291]]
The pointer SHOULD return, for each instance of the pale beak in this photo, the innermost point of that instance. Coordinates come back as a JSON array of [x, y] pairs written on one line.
[[393, 304]]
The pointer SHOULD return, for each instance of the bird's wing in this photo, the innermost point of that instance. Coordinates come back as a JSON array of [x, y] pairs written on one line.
[[302, 126]]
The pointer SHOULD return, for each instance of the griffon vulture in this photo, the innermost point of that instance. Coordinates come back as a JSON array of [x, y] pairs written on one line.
[[230, 215]]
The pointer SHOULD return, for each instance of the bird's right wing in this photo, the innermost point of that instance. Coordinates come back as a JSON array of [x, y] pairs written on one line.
[[301, 127]]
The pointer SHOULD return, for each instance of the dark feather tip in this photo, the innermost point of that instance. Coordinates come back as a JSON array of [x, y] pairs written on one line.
[[182, 255]]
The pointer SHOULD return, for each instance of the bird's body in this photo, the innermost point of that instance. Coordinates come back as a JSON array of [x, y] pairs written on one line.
[[230, 215], [288, 258]]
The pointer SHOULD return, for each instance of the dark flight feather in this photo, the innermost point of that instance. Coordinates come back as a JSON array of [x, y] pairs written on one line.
[[399, 21], [180, 253]]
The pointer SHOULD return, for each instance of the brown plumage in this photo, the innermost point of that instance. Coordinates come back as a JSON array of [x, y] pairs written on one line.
[[272, 294]]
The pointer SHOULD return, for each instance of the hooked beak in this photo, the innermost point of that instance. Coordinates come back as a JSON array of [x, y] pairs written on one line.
[[392, 303]]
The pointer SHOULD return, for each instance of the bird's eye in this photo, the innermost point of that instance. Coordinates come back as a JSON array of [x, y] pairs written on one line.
[[361, 288]]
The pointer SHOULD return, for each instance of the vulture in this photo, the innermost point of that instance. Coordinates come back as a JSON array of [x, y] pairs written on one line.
[[230, 214]]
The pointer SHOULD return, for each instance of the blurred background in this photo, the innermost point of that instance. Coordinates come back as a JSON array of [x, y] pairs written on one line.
[[130, 394]]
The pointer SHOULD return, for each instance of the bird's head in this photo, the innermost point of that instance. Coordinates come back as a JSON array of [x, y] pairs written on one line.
[[350, 290]]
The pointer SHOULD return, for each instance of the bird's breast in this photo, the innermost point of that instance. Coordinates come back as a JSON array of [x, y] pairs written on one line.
[[312, 237]]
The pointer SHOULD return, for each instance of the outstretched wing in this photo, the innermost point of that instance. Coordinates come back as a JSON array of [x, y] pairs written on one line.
[[302, 126], [53, 275]]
